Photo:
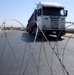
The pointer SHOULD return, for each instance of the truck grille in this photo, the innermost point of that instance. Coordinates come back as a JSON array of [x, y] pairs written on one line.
[[54, 23]]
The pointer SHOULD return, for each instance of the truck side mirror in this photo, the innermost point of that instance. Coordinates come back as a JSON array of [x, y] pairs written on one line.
[[65, 12], [39, 12]]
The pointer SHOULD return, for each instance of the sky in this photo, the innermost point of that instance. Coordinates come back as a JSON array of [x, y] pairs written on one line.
[[21, 10]]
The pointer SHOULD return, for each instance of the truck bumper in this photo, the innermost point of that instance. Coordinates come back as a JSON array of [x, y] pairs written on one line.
[[54, 32]]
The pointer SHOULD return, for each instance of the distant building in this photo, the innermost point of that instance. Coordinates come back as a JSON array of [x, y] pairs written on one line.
[[11, 28], [22, 29]]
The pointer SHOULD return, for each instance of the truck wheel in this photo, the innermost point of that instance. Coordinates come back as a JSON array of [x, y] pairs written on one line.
[[30, 30], [34, 30]]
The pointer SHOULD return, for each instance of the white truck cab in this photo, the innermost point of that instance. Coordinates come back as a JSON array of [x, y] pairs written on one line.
[[51, 18]]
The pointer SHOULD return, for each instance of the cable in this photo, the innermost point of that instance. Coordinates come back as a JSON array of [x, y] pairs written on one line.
[[65, 48], [11, 47], [26, 66], [31, 54], [4, 23], [55, 53], [51, 70], [31, 49], [3, 52], [39, 59], [23, 57], [67, 41]]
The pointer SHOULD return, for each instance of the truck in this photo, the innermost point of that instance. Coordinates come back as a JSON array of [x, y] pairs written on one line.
[[49, 17]]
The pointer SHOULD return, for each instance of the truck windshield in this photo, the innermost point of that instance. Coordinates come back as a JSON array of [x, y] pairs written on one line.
[[52, 11]]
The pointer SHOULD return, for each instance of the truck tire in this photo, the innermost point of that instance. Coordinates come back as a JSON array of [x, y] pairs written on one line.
[[38, 34], [34, 30], [30, 30]]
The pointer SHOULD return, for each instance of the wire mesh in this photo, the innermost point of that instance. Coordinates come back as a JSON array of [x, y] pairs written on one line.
[[37, 58]]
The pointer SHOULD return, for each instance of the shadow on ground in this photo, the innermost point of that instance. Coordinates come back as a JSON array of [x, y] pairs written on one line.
[[26, 37]]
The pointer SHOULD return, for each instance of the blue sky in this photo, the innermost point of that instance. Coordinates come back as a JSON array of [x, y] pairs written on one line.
[[21, 10]]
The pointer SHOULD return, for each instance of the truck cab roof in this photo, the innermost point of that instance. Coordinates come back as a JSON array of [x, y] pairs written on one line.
[[50, 4]]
